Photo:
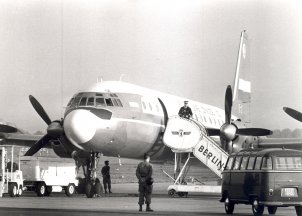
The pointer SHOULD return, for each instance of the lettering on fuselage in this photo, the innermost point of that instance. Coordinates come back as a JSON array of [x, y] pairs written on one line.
[[220, 165]]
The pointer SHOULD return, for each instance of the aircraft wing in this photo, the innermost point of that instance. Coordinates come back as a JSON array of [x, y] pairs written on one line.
[[19, 139], [291, 143]]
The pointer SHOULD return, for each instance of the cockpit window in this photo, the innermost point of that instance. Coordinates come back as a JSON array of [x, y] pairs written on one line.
[[114, 102], [108, 102], [71, 100], [83, 101], [100, 102], [90, 101]]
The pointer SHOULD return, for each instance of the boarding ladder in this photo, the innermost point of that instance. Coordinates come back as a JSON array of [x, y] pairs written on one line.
[[189, 136]]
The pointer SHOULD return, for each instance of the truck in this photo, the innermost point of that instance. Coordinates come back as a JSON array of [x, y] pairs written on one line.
[[45, 175], [11, 178]]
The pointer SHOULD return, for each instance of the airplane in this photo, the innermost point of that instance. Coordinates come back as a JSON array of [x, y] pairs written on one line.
[[116, 118]]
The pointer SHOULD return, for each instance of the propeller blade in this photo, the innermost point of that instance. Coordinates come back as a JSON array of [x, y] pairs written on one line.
[[38, 145], [293, 113], [213, 132], [7, 129], [39, 109], [254, 132], [228, 103]]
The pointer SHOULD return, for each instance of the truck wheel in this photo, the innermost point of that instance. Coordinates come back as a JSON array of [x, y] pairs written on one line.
[[41, 189], [13, 189], [229, 206], [89, 189], [171, 192], [70, 190], [20, 191], [298, 210], [272, 209], [257, 208]]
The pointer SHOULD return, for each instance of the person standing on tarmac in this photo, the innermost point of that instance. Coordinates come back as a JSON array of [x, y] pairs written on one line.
[[145, 181], [106, 177], [185, 111]]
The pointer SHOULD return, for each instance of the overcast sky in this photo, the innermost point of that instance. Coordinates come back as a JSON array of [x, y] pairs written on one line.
[[51, 49]]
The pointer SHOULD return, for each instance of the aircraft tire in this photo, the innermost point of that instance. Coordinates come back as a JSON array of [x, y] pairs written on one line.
[[98, 187], [89, 189], [20, 191], [171, 193]]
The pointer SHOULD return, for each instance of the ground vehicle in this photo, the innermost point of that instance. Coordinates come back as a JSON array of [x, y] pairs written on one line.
[[11, 178], [263, 177], [46, 174]]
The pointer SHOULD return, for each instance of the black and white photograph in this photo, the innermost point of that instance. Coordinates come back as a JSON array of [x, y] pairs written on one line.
[[150, 107]]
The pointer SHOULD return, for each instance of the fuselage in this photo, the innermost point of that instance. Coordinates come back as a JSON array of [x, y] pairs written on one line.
[[122, 119]]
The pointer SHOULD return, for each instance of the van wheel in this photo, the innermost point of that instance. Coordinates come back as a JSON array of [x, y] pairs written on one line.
[[41, 189], [171, 193], [298, 210], [13, 189], [272, 209], [229, 206], [70, 189], [20, 191], [257, 208]]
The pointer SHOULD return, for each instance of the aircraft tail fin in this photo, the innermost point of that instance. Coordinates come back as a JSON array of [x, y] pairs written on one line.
[[242, 84]]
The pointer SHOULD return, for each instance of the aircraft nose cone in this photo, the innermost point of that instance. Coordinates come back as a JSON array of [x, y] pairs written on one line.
[[80, 126]]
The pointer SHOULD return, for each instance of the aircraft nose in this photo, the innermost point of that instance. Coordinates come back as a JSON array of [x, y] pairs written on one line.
[[80, 126]]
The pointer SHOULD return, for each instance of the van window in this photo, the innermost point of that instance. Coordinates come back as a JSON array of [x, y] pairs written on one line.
[[243, 162], [250, 164], [267, 163], [258, 163], [288, 163], [237, 163], [229, 163]]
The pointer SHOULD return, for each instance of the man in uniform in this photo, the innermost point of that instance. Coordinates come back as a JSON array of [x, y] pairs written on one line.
[[185, 111], [144, 176], [106, 177]]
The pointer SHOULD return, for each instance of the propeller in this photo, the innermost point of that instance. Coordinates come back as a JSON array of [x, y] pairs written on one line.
[[293, 113], [229, 131], [54, 130]]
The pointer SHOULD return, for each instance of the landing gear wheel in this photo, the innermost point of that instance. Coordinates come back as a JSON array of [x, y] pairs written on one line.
[[272, 209], [89, 189], [20, 191], [98, 187], [13, 189], [41, 189], [257, 208], [171, 193], [229, 206], [298, 210], [70, 190]]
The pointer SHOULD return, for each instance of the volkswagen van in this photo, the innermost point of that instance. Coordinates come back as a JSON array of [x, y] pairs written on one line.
[[269, 178]]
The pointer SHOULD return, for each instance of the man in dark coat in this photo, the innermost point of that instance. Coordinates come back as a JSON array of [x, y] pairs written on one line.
[[145, 181], [106, 177], [185, 111]]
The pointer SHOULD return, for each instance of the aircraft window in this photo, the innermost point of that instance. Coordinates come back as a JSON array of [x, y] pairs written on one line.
[[114, 102], [250, 164], [205, 120], [258, 163], [100, 102], [214, 121], [150, 106], [113, 95], [83, 101], [243, 163], [76, 101], [119, 102], [109, 102], [210, 120], [71, 100], [99, 94], [90, 101], [267, 163], [229, 163], [237, 163]]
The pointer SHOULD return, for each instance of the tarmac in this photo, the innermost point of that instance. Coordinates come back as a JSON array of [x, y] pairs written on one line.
[[123, 201]]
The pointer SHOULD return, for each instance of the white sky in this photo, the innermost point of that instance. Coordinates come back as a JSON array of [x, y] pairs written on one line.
[[51, 48]]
